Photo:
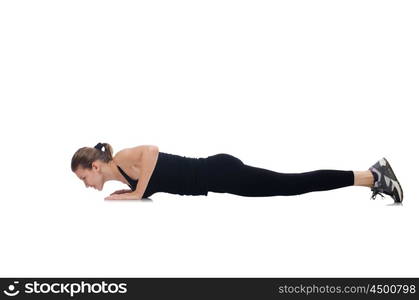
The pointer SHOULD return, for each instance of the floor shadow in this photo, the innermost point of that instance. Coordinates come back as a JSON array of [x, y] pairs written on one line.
[[395, 204], [131, 200]]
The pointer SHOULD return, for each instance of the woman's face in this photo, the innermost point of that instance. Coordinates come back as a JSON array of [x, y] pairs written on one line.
[[91, 177]]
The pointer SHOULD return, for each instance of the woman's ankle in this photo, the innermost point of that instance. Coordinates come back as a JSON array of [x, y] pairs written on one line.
[[364, 178]]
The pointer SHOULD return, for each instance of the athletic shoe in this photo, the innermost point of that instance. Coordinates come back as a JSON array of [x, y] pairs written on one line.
[[385, 181]]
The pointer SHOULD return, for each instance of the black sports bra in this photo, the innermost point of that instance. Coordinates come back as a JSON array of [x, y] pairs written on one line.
[[132, 182]]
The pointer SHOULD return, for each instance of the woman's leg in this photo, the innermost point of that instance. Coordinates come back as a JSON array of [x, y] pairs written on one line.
[[364, 178], [228, 174]]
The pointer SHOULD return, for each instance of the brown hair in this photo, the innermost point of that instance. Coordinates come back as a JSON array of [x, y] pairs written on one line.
[[85, 156]]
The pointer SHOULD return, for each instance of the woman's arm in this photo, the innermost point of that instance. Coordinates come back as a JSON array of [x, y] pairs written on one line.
[[144, 158], [146, 162]]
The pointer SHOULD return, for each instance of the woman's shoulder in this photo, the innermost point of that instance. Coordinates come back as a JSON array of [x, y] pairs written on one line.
[[131, 158], [134, 153]]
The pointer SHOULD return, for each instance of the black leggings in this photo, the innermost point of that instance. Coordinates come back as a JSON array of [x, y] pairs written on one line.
[[228, 174]]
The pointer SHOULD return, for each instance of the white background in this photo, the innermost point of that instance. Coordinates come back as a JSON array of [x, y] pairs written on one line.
[[290, 86]]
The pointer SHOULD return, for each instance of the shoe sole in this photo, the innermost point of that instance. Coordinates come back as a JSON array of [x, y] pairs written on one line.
[[394, 175]]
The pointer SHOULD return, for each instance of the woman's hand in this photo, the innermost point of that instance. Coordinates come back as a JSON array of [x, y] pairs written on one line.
[[123, 196], [121, 192]]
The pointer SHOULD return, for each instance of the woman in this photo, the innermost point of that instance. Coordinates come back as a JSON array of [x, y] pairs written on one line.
[[147, 171]]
